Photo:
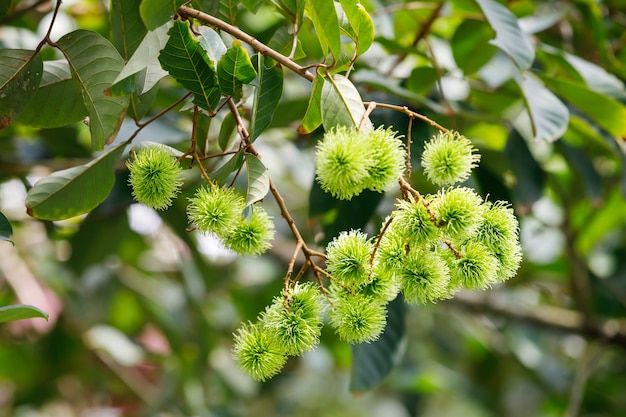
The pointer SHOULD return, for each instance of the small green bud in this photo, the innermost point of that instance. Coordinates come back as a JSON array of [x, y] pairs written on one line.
[[348, 258], [215, 210], [388, 159], [424, 277], [342, 161], [356, 318], [253, 236], [449, 158], [412, 219], [476, 268], [459, 212], [155, 176], [296, 324], [257, 353]]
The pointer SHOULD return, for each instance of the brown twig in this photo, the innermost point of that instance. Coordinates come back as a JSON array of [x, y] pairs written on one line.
[[411, 114]]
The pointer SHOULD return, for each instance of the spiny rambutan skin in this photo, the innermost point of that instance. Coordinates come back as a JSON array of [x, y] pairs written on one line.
[[257, 352], [348, 258], [475, 269], [388, 159], [498, 227], [413, 220], [392, 249], [449, 158], [342, 161], [253, 236], [356, 318], [216, 210], [509, 256], [297, 322], [459, 212], [424, 277], [155, 176]]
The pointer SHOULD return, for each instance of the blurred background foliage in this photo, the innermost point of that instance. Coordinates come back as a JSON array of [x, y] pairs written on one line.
[[142, 311]]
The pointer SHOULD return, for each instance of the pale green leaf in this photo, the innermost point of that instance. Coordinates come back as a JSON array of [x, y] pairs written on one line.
[[548, 115], [212, 44], [189, 64], [20, 312], [266, 97], [341, 103], [95, 63], [258, 179], [361, 24], [156, 12], [74, 191], [20, 74], [509, 37], [324, 17], [58, 101], [313, 116]]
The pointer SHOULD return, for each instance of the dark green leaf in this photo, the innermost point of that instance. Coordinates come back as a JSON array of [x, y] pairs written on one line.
[[529, 177], [341, 103], [313, 116], [228, 10], [227, 128], [20, 312], [74, 191], [6, 231], [470, 46], [548, 115], [156, 12], [20, 74], [189, 64], [584, 166], [258, 179], [509, 37], [232, 165], [127, 28], [324, 17], [252, 5], [58, 101], [235, 69], [266, 97], [95, 63], [372, 362]]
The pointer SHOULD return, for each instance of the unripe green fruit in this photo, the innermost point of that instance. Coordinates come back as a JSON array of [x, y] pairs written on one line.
[[155, 176], [387, 159], [476, 268], [459, 212], [357, 318], [348, 258], [257, 353], [424, 277], [253, 236], [216, 210], [448, 158], [414, 222]]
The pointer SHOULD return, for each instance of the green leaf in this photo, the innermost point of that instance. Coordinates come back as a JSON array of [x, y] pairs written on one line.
[[372, 362], [20, 312], [127, 28], [548, 115], [583, 165], [58, 101], [20, 74], [74, 191], [252, 5], [95, 63], [212, 44], [529, 177], [189, 64], [228, 10], [324, 17], [361, 24], [607, 112], [235, 69], [258, 179], [232, 165], [313, 116], [6, 230], [341, 103], [470, 46], [509, 37], [266, 97], [156, 12], [146, 57], [226, 131]]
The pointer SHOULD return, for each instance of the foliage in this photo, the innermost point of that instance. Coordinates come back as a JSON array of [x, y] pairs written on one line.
[[285, 127]]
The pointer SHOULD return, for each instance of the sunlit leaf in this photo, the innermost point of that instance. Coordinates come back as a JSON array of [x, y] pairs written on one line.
[[189, 64], [313, 117], [235, 69], [127, 28], [228, 10], [509, 37], [266, 97], [95, 63], [361, 24], [74, 191], [58, 100], [258, 179], [156, 12], [341, 103], [20, 312], [324, 17], [213, 44], [372, 362], [549, 116], [20, 74], [6, 230]]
